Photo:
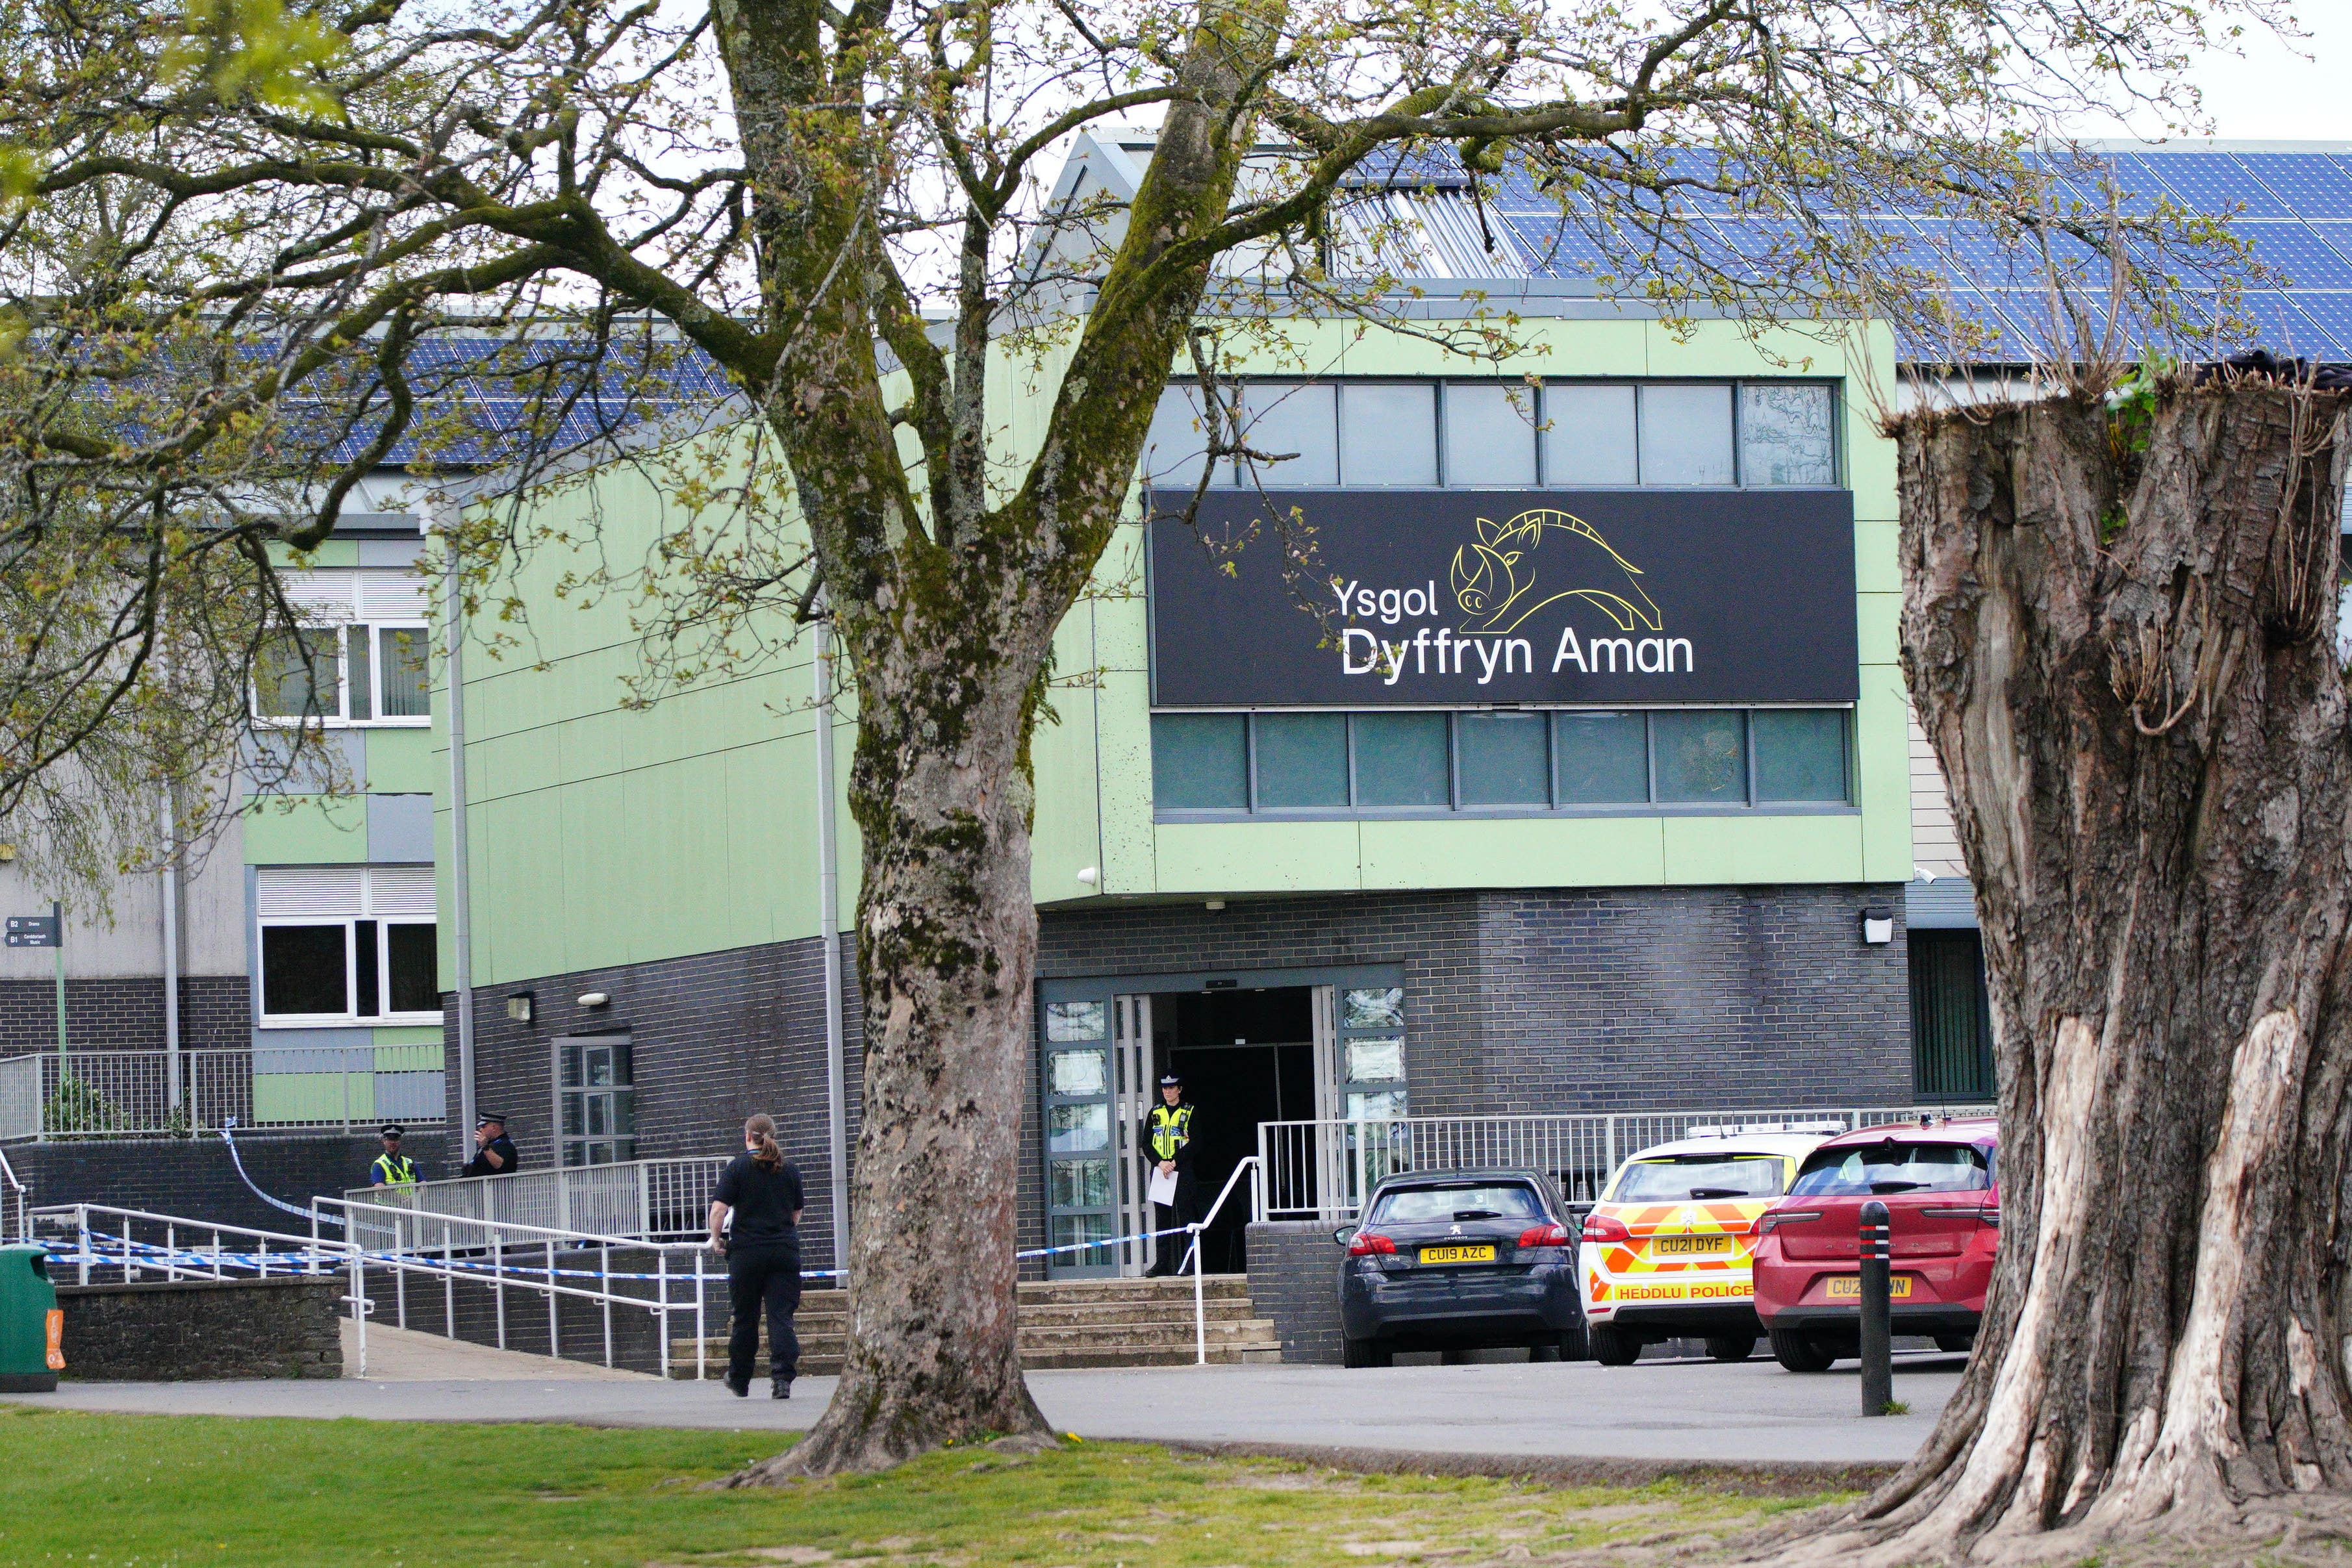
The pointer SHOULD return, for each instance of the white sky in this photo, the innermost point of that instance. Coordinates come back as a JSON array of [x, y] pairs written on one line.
[[2274, 93]]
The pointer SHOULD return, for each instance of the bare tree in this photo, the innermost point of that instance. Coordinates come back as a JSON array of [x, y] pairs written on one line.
[[781, 186]]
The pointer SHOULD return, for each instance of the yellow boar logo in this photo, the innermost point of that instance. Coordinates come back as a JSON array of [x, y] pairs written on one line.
[[1495, 580]]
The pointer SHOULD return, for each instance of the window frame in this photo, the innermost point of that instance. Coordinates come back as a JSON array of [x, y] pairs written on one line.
[[341, 717], [1229, 475], [624, 1087], [1251, 811], [351, 1017]]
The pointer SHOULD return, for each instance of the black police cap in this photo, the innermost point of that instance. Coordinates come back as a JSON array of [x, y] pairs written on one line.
[[490, 1119], [391, 1131], [1170, 1081]]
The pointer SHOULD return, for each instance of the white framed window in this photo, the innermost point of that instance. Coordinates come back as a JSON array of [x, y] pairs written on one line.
[[360, 674], [364, 660], [346, 945]]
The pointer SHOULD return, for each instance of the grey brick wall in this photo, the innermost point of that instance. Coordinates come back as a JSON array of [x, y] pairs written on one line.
[[125, 1015], [1294, 1278], [1542, 1001], [194, 1179], [715, 1037], [1574, 1000], [187, 1330]]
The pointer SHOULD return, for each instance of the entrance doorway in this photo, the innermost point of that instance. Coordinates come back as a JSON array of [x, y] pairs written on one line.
[[1246, 1056]]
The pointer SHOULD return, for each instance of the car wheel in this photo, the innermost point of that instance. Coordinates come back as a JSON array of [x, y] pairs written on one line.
[[1955, 1344], [1366, 1352], [1799, 1352], [1571, 1345], [1611, 1348], [1544, 1350], [1730, 1347]]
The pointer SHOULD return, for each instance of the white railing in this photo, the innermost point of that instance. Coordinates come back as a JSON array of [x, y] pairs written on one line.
[[131, 1094], [1324, 1170], [491, 1262], [15, 1204], [648, 1199], [1193, 1232]]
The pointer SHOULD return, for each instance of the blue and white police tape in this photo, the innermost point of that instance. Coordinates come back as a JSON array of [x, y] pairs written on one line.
[[228, 1126]]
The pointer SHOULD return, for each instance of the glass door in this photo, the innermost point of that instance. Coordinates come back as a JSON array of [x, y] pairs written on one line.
[[1081, 1188], [1136, 1071]]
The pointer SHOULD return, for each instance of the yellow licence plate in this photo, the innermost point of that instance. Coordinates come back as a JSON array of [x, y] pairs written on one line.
[[1848, 1287], [1689, 1246], [1458, 1254]]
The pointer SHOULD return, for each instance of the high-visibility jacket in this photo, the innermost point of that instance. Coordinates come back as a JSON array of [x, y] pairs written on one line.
[[1169, 1130], [393, 1171]]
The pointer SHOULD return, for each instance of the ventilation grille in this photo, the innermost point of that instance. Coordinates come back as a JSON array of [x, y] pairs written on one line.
[[344, 892]]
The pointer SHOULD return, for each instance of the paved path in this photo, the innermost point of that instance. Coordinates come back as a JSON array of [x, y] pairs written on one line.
[[1656, 1410]]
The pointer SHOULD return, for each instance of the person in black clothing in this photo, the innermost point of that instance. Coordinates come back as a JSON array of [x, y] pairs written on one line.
[[762, 1248], [494, 1152], [1168, 1151]]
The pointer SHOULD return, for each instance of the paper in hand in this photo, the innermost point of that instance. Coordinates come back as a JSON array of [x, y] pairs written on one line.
[[1163, 1189]]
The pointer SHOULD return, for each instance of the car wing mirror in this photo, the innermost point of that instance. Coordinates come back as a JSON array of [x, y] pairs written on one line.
[[1344, 1234]]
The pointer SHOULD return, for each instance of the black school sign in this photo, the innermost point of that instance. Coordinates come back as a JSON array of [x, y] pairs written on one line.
[[1362, 598]]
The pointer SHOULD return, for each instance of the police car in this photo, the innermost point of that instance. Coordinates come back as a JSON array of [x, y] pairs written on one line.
[[1664, 1253]]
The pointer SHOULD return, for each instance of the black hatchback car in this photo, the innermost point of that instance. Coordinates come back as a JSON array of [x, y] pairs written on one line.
[[1450, 1261]]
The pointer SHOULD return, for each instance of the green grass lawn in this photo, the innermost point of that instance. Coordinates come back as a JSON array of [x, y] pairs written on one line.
[[122, 1490]]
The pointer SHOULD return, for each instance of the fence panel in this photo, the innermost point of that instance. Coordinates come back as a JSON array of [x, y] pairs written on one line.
[[1324, 1170], [650, 1199], [130, 1094]]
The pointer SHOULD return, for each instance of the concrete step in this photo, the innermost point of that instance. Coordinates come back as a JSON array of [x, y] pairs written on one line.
[[1078, 1337], [1098, 1309]]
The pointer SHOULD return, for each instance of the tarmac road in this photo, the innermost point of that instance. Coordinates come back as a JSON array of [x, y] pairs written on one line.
[[1673, 1411]]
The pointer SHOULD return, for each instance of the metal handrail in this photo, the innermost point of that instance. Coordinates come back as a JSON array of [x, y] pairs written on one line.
[[164, 1094], [1192, 1257], [15, 1204]]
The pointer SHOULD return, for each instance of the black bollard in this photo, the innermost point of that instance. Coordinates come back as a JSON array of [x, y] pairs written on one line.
[[1877, 1363]]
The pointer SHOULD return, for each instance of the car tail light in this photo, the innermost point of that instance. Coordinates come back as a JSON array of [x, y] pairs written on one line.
[[1544, 1236], [1367, 1243], [1778, 1217], [1983, 1216], [1601, 1228]]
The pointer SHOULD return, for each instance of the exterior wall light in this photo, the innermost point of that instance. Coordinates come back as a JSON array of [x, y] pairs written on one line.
[[1213, 905], [519, 1006], [1091, 875], [1878, 925], [595, 998]]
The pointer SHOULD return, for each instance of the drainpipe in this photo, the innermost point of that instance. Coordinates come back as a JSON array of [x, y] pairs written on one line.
[[170, 890], [461, 887], [828, 920]]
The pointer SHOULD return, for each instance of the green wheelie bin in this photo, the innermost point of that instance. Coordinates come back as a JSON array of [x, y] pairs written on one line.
[[31, 1327]]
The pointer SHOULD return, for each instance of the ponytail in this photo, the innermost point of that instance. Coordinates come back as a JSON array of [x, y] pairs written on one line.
[[761, 1130]]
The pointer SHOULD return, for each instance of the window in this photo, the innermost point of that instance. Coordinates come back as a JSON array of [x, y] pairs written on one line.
[[346, 944], [1683, 1177], [1504, 759], [1401, 759], [1686, 434], [1490, 435], [1569, 435], [1420, 763], [356, 674], [1302, 759], [595, 1102], [1951, 1017], [1388, 434], [1589, 439]]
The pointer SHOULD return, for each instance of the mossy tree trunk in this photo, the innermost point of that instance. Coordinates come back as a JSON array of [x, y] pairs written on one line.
[[947, 609], [2119, 631]]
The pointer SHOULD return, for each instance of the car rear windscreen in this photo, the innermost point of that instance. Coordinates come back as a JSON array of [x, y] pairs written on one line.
[[1435, 1206], [1678, 1178], [1884, 1169]]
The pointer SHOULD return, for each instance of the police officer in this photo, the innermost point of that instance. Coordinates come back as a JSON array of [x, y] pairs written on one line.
[[494, 1152], [1168, 1150], [392, 1168]]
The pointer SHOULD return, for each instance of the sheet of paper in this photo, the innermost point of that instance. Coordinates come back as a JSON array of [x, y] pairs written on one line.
[[1163, 1187]]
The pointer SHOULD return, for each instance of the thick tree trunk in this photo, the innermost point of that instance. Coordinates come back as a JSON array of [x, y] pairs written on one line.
[[2125, 660], [947, 952]]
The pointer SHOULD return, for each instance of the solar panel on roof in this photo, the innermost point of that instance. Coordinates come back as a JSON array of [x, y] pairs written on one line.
[[2301, 256], [2313, 184], [2213, 183], [2336, 237], [2330, 315]]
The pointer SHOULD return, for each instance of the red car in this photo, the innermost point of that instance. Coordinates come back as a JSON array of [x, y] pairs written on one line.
[[1940, 1183]]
